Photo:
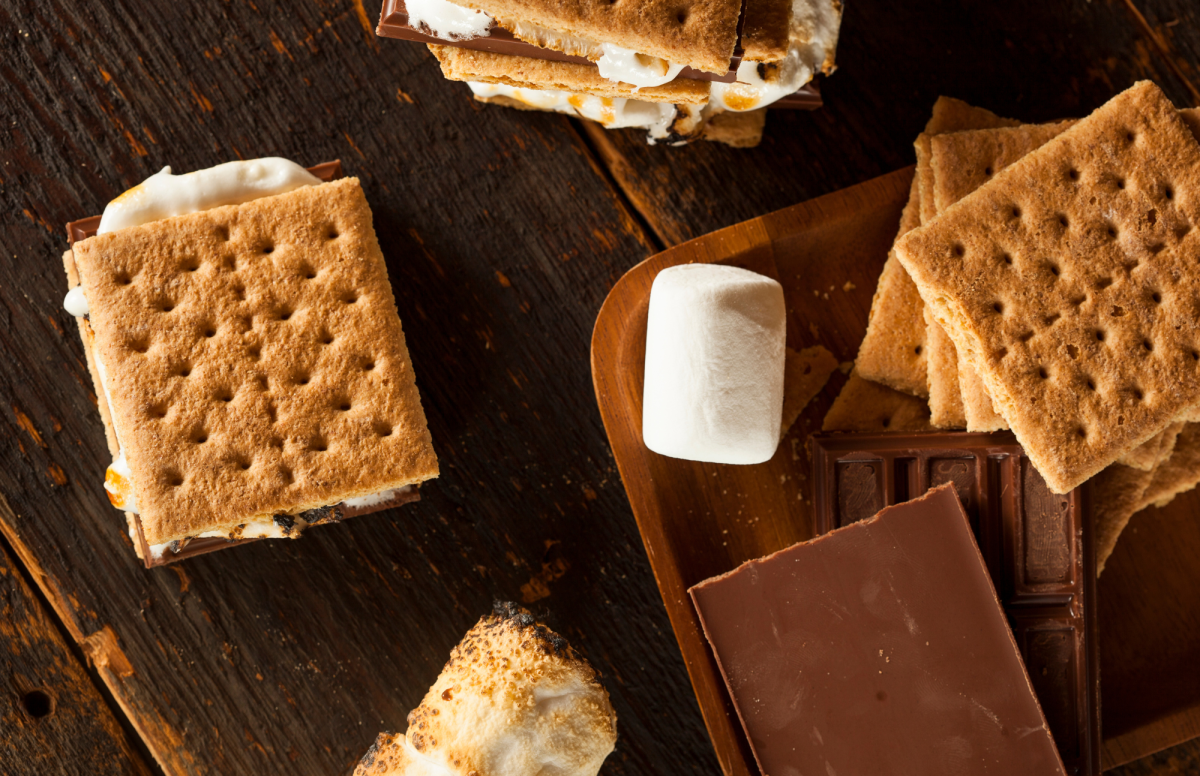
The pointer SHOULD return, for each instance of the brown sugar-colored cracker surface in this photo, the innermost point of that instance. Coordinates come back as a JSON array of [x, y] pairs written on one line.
[[256, 361], [1178, 473], [1087, 339], [699, 33], [460, 64], [894, 351], [805, 373], [962, 162], [870, 407], [765, 30]]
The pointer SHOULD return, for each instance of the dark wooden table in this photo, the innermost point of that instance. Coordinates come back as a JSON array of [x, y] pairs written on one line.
[[503, 231]]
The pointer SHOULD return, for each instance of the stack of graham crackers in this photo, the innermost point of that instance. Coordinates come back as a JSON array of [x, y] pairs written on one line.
[[1046, 279]]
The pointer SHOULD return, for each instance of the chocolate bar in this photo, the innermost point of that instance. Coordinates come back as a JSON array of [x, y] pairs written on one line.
[[393, 23], [878, 648], [1034, 542]]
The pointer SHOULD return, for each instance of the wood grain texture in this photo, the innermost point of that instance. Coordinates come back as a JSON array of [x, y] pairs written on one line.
[[1028, 60], [501, 237], [53, 719]]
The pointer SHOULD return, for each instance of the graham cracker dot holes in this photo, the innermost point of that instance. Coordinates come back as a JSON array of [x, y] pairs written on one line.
[[190, 264], [301, 378], [987, 171], [123, 279], [318, 444], [350, 297], [209, 331], [1014, 212], [222, 233], [383, 429], [1103, 283], [199, 436], [998, 307], [1051, 319], [916, 351], [1168, 192], [138, 345], [1062, 221], [173, 478], [307, 272], [1099, 334], [1072, 352], [681, 16], [1006, 258], [958, 250], [158, 411], [183, 370], [284, 313], [331, 232], [342, 404], [1091, 384], [1042, 373], [223, 395], [1147, 346], [1073, 174], [1120, 183]]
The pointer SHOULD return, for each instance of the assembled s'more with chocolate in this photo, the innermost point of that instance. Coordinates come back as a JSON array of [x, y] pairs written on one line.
[[682, 71], [250, 366]]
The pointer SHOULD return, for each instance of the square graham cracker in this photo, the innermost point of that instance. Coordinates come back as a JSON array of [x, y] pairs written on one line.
[[1070, 281], [255, 359], [1179, 473], [460, 64], [870, 407], [698, 33], [894, 351], [962, 162]]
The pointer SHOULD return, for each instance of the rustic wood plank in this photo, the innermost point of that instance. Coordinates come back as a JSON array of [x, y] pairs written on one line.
[[1176, 761], [502, 237], [1031, 60], [54, 720]]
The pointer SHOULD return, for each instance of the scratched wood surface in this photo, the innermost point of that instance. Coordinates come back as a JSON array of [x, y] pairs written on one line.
[[503, 232], [52, 717]]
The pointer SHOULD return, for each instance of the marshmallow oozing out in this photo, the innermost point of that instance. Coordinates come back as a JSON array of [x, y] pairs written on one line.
[[714, 365]]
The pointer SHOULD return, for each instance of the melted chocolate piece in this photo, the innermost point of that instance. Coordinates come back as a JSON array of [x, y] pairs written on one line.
[[1037, 550], [879, 648]]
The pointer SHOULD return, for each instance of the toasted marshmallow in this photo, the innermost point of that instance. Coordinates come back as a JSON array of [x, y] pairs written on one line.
[[514, 700], [163, 195], [118, 481], [612, 112], [446, 20], [628, 66]]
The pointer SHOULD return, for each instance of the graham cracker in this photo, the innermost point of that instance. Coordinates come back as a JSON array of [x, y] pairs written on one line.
[[1118, 491], [698, 33], [949, 115], [1151, 453], [1116, 494], [255, 359], [893, 351], [870, 407], [460, 64], [945, 398], [962, 162], [978, 411], [804, 375], [737, 130], [1178, 474], [766, 29], [1069, 281]]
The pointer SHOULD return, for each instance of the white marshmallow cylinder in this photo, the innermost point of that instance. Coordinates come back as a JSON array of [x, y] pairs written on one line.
[[714, 365]]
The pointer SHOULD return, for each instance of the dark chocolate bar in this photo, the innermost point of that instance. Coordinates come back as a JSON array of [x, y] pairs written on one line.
[[878, 648], [1034, 543]]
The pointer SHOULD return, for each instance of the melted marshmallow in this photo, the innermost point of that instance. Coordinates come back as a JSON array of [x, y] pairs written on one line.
[[118, 481], [752, 91], [372, 499], [163, 195], [446, 20], [612, 112], [75, 302], [640, 70]]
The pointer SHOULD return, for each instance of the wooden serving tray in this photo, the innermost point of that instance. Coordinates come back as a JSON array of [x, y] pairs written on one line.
[[698, 520]]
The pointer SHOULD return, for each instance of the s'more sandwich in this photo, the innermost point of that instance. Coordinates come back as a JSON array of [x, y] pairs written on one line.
[[248, 360], [680, 70], [515, 700]]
